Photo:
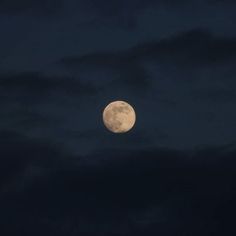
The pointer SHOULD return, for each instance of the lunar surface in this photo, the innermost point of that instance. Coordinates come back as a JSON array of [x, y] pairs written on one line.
[[119, 117]]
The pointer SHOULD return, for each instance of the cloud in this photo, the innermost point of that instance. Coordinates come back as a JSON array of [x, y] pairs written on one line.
[[123, 192], [197, 47], [44, 7], [215, 95], [105, 7], [196, 53], [194, 47], [34, 104], [124, 71], [38, 82]]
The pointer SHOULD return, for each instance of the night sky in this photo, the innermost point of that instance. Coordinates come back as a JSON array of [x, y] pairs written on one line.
[[62, 173]]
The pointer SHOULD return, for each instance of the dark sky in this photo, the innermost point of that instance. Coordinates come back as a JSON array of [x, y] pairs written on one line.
[[61, 171]]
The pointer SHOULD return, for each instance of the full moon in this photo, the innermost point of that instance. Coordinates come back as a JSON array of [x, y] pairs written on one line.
[[119, 117]]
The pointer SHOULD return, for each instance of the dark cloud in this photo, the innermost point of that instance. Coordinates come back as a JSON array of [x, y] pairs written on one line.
[[36, 84], [198, 47], [104, 6], [25, 96], [119, 7], [19, 153], [123, 192], [194, 47], [126, 71], [45, 7], [216, 95]]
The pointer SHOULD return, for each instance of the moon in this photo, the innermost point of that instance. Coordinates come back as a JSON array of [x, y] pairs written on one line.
[[119, 117]]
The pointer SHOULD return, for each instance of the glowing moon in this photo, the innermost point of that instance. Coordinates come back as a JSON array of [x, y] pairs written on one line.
[[119, 117]]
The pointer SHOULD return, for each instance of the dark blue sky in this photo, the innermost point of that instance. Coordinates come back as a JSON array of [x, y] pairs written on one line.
[[62, 172]]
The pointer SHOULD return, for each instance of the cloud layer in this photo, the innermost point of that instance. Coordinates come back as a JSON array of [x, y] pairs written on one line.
[[159, 191]]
